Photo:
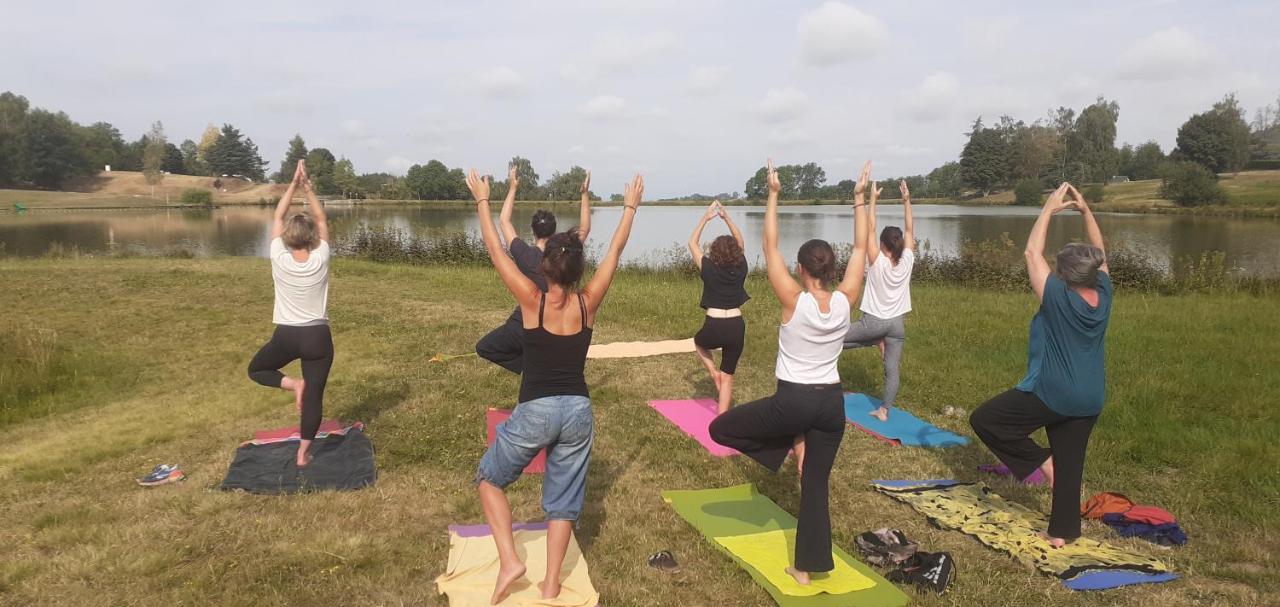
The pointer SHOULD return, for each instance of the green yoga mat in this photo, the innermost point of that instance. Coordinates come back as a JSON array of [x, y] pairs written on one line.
[[740, 510]]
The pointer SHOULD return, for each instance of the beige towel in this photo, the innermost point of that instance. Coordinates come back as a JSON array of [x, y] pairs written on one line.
[[636, 349], [473, 569]]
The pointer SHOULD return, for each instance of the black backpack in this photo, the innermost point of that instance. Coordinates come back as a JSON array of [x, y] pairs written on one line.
[[931, 570]]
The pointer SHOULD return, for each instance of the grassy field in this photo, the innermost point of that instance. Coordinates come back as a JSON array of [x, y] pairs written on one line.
[[147, 359]]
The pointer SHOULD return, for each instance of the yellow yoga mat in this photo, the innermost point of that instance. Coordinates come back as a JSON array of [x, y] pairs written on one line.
[[473, 569], [771, 552]]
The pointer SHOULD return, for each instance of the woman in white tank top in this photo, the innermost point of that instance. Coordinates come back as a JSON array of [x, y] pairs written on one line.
[[807, 411]]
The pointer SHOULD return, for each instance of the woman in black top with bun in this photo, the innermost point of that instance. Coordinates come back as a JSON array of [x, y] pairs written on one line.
[[722, 298]]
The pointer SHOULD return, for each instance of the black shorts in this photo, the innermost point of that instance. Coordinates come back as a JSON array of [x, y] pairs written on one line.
[[726, 335]]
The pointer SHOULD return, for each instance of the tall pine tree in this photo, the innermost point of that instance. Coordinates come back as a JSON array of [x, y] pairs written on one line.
[[297, 151]]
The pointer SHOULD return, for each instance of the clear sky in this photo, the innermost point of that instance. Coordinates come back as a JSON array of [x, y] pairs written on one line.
[[693, 93]]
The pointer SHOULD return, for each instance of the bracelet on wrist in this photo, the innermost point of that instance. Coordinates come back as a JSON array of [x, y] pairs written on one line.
[[482, 200]]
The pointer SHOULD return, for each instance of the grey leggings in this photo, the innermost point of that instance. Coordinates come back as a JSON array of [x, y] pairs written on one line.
[[869, 331]]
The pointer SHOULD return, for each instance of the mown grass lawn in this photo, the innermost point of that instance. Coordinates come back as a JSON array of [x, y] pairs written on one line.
[[150, 361]]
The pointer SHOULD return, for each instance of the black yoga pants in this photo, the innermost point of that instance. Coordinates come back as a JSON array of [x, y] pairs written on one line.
[[726, 335], [1005, 424], [765, 431], [504, 346], [314, 345]]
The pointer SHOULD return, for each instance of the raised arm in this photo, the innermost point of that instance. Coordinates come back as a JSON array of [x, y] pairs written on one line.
[[854, 272], [908, 227], [584, 210], [784, 285], [524, 290], [1090, 226], [872, 251], [509, 233], [695, 241], [1037, 267], [317, 209], [733, 228], [598, 287], [282, 207]]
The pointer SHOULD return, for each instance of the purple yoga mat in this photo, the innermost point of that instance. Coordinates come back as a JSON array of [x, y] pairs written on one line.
[[1036, 478], [483, 530], [693, 417]]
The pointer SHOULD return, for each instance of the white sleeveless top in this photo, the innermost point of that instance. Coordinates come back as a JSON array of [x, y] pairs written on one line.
[[888, 290], [809, 344], [302, 288]]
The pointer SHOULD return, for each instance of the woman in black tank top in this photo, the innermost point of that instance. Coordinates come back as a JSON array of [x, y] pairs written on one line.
[[554, 409], [723, 272]]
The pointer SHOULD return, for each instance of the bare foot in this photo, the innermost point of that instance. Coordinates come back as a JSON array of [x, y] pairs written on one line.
[[1047, 469], [549, 591], [304, 458], [802, 577], [297, 386], [506, 576], [881, 414], [1056, 542]]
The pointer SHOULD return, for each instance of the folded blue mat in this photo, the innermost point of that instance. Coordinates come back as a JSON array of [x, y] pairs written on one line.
[[902, 428], [1103, 579]]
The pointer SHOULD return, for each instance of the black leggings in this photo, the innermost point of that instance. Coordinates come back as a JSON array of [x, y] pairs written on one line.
[[1005, 424], [765, 431], [314, 345], [726, 335], [504, 346]]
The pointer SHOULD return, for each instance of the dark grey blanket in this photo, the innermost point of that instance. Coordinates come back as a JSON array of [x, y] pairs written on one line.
[[339, 462]]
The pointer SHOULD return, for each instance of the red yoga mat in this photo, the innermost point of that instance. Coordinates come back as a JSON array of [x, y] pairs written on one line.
[[280, 434], [492, 418]]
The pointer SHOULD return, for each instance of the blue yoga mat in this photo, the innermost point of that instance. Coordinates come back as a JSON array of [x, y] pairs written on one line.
[[902, 427], [1103, 579]]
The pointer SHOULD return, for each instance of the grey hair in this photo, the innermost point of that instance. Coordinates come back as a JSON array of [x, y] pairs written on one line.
[[1078, 264]]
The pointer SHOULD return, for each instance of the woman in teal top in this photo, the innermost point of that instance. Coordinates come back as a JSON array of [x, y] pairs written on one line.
[[1065, 384]]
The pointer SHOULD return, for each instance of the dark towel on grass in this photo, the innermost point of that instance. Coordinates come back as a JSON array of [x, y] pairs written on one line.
[[339, 462]]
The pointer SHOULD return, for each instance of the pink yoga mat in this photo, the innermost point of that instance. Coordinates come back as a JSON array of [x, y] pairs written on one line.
[[693, 417], [293, 432]]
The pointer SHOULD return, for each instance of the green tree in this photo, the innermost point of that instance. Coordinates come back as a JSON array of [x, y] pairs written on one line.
[[1091, 143], [153, 155], [297, 151], [529, 189], [433, 181], [1032, 150], [345, 180], [1142, 162], [945, 181], [55, 149], [1027, 192], [984, 162], [1190, 184], [103, 145], [756, 187], [567, 185], [234, 154], [809, 179], [1217, 139], [173, 160], [13, 119], [320, 164], [191, 162]]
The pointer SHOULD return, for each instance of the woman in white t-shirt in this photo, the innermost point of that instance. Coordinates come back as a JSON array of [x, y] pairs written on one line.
[[807, 411], [887, 298], [300, 269]]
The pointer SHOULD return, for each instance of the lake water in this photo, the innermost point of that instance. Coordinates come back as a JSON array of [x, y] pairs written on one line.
[[1252, 245]]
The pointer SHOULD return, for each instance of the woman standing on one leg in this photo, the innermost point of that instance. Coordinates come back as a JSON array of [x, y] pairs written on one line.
[[554, 410], [300, 269], [808, 406], [887, 297], [722, 295], [1064, 388], [504, 345]]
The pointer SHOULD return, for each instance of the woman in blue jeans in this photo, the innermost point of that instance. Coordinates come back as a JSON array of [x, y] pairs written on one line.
[[554, 411]]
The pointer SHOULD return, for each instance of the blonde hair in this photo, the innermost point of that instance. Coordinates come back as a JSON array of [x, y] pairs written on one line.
[[300, 232]]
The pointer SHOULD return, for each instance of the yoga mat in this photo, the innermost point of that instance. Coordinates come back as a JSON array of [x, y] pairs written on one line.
[[340, 460], [262, 437], [637, 349], [975, 510], [492, 418], [1036, 479], [902, 428], [741, 510], [771, 552], [693, 417], [473, 569]]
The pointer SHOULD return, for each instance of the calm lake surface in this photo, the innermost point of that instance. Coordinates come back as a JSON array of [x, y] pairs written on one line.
[[1252, 245]]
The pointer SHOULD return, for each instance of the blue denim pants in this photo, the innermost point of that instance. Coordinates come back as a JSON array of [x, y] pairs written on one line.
[[565, 427]]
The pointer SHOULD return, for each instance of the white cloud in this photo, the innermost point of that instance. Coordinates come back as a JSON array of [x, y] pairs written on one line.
[[397, 164], [1167, 54], [781, 105], [617, 53], [836, 32], [934, 98], [788, 137], [577, 150], [990, 34], [500, 81], [604, 107], [706, 79], [895, 149]]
